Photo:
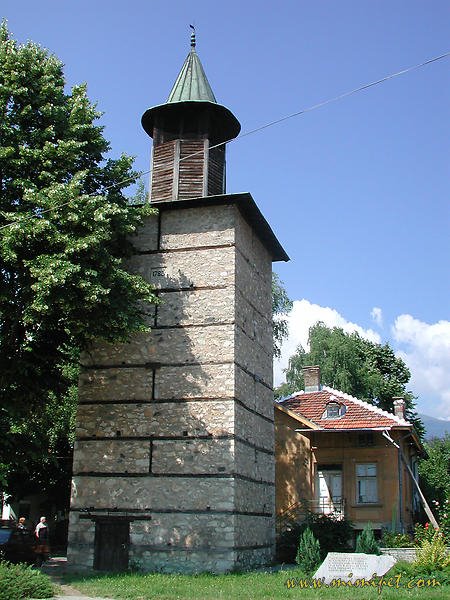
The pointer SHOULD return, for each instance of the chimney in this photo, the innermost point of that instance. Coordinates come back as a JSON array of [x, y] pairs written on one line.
[[399, 407], [311, 376]]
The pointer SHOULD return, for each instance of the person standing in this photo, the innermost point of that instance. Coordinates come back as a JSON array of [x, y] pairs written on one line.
[[42, 548]]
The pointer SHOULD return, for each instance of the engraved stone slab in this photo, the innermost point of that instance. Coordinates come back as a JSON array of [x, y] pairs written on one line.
[[158, 275], [352, 566], [196, 268]]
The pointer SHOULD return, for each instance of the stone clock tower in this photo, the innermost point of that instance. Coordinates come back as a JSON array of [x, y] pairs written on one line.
[[174, 455]]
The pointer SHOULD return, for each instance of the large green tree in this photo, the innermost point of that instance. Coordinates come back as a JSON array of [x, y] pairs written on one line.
[[281, 307], [434, 470], [354, 365], [64, 222]]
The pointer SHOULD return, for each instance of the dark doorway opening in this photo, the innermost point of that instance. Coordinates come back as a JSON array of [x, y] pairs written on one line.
[[111, 547]]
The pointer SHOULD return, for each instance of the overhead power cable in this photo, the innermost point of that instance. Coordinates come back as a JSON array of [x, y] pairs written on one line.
[[344, 95], [262, 127]]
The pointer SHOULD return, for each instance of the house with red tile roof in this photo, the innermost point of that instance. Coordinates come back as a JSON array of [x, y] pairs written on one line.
[[336, 454]]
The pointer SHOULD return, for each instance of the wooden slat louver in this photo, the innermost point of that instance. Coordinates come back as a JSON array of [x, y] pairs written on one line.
[[163, 171], [216, 171], [191, 169]]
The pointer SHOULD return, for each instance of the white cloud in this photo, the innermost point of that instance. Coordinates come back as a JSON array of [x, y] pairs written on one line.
[[377, 315], [304, 314], [425, 348]]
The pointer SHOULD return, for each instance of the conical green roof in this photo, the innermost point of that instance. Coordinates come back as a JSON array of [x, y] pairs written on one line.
[[192, 83], [190, 101]]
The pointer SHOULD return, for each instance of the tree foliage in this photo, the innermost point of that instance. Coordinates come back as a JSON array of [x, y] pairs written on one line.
[[281, 306], [64, 222], [354, 365], [434, 470]]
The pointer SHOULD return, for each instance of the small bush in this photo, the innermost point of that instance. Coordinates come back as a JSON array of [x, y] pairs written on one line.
[[334, 534], [287, 544], [22, 581], [423, 533], [366, 543], [390, 539], [308, 553], [413, 572], [444, 518], [135, 565], [432, 556]]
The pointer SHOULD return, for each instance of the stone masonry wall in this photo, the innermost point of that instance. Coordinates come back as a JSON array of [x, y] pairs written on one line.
[[253, 391], [175, 427]]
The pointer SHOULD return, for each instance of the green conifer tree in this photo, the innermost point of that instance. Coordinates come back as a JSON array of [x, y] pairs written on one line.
[[366, 542], [308, 553]]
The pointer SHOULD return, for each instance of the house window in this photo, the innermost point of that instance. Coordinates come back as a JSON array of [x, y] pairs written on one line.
[[366, 483], [329, 489], [334, 410]]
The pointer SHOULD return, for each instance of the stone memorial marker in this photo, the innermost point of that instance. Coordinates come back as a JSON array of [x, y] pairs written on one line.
[[348, 566]]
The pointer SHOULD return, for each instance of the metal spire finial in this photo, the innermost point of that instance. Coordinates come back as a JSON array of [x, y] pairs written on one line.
[[192, 36]]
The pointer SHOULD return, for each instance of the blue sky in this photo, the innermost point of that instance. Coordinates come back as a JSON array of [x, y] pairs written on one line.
[[357, 191]]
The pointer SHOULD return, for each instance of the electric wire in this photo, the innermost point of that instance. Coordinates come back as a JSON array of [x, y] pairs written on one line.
[[252, 131]]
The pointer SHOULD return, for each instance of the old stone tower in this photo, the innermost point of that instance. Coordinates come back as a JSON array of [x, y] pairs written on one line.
[[174, 458]]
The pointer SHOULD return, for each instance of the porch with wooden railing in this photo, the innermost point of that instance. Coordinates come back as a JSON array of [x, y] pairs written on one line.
[[299, 511]]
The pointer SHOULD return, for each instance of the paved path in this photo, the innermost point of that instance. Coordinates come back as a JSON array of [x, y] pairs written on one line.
[[55, 568]]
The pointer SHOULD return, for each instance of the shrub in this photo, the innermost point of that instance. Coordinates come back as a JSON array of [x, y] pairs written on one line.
[[413, 572], [443, 511], [287, 544], [432, 556], [22, 581], [423, 533], [308, 553], [334, 535], [390, 539], [366, 543]]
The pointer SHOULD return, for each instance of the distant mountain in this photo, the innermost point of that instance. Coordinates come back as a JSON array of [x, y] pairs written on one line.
[[434, 427]]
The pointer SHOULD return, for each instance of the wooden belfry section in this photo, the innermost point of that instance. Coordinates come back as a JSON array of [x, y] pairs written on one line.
[[174, 457], [188, 132]]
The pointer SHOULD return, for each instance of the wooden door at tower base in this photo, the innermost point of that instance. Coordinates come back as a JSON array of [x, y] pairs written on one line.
[[112, 541]]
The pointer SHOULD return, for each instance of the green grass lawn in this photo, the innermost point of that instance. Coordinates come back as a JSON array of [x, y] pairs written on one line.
[[253, 585]]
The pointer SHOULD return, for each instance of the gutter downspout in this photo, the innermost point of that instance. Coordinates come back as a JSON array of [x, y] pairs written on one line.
[[422, 497], [400, 490]]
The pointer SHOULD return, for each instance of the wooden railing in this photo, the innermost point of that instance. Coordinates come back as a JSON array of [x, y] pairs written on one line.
[[299, 511]]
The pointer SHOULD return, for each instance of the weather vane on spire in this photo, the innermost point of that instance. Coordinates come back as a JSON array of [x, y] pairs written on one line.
[[192, 36]]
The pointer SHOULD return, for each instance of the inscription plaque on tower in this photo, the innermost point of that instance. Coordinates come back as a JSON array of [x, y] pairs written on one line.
[[157, 275]]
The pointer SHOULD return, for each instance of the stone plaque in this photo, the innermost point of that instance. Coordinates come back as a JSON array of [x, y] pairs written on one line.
[[346, 566], [157, 275]]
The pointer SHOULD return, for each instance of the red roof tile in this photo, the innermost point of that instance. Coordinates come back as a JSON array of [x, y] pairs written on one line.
[[358, 415]]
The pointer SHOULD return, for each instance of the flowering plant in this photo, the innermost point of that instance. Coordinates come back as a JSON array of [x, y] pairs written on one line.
[[423, 533], [426, 532], [443, 511]]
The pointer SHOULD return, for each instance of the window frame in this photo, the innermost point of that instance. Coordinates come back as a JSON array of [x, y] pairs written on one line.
[[367, 479], [338, 407]]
